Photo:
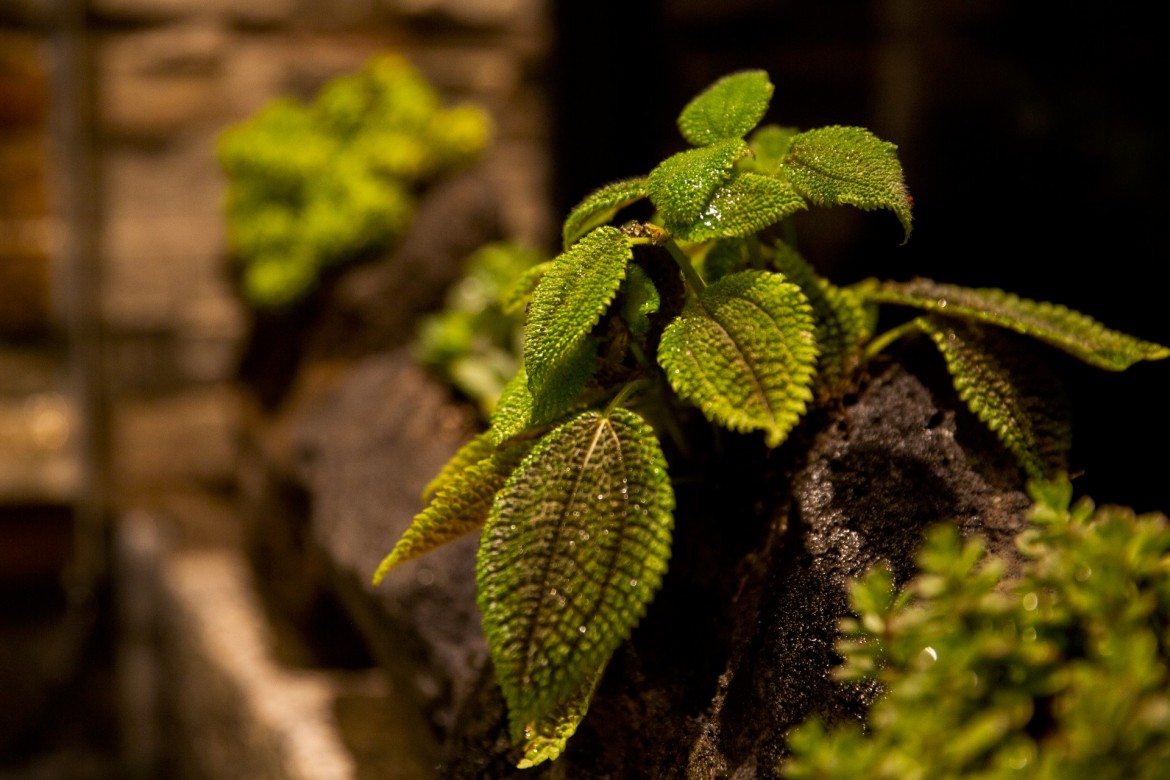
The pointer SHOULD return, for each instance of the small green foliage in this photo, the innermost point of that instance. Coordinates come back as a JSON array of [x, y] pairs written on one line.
[[1060, 673], [314, 186], [704, 308]]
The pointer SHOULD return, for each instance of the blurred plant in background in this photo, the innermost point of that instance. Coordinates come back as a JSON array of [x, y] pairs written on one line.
[[1057, 670], [476, 340], [318, 185]]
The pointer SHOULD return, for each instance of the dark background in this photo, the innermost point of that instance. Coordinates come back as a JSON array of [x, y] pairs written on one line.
[[1032, 135]]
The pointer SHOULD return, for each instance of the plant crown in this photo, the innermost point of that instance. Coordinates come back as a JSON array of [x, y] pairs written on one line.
[[708, 305]]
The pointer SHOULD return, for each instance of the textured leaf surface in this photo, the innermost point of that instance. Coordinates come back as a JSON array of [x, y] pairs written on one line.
[[1012, 394], [683, 184], [746, 204], [570, 299], [745, 354], [474, 450], [729, 108], [545, 739], [461, 504], [1075, 333], [575, 548], [513, 410], [843, 321], [848, 165], [600, 207]]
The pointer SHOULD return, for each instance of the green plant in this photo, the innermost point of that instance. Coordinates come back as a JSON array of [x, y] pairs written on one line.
[[705, 306], [315, 186], [1060, 671]]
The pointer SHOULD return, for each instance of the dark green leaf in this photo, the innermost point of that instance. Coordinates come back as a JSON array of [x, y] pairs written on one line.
[[575, 548], [844, 322], [729, 108], [1009, 391], [1073, 332], [848, 165], [745, 353]]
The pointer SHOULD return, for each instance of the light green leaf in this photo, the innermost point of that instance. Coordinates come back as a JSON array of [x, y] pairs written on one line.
[[729, 108], [460, 505], [746, 204], [571, 298], [1077, 334], [600, 207], [745, 353], [639, 301], [683, 184], [769, 145], [837, 165], [1011, 393], [575, 548], [473, 451], [844, 322]]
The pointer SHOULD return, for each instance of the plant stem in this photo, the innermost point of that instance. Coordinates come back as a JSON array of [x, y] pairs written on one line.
[[693, 280], [889, 337]]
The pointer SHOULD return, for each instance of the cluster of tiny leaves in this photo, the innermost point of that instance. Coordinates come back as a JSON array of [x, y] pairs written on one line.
[[707, 306], [1059, 673], [312, 186]]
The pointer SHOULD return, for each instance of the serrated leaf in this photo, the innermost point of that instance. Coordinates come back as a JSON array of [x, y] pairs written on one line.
[[545, 740], [746, 204], [571, 298], [640, 300], [472, 451], [1020, 401], [460, 505], [1077, 334], [683, 184], [745, 353], [837, 165], [769, 145], [729, 108], [843, 322], [575, 548], [513, 411], [563, 385], [515, 296], [600, 207]]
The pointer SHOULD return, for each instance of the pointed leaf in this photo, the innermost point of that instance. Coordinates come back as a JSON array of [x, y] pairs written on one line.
[[545, 740], [729, 108], [848, 165], [600, 207], [746, 204], [575, 548], [1077, 334], [473, 451], [513, 410], [1012, 394], [570, 299], [683, 184], [460, 506], [745, 354], [844, 322]]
